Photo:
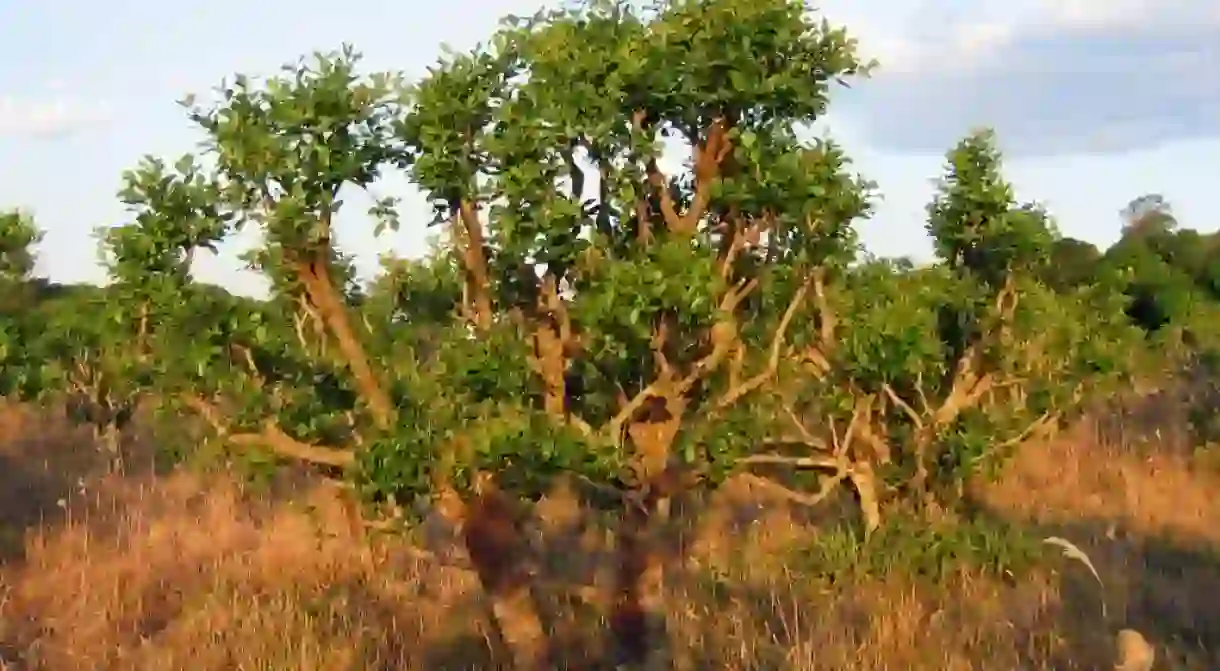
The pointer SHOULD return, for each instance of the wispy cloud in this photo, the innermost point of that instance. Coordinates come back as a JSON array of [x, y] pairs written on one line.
[[48, 118], [1052, 76]]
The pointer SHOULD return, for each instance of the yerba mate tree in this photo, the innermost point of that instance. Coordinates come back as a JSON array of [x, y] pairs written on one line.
[[927, 376], [615, 302], [309, 374]]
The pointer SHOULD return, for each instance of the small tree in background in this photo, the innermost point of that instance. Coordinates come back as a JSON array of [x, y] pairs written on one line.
[[61, 345], [18, 234]]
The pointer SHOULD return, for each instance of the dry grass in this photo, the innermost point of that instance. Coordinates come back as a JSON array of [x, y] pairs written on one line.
[[1151, 523], [1150, 494], [185, 571]]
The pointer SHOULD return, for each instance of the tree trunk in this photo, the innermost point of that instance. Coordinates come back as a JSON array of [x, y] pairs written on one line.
[[638, 618], [497, 549]]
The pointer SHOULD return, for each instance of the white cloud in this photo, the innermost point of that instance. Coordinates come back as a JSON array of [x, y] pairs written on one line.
[[50, 118], [1052, 76]]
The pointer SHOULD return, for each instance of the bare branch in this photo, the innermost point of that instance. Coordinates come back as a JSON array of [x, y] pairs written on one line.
[[806, 434], [810, 500], [283, 445], [832, 462], [862, 408], [272, 436], [777, 344], [614, 427], [1039, 425], [827, 322], [903, 405], [334, 311], [474, 262], [660, 184]]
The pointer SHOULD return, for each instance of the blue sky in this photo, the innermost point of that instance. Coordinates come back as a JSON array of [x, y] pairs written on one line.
[[1096, 102]]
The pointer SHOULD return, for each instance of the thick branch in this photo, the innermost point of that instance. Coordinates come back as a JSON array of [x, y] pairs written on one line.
[[551, 334], [724, 338], [286, 446], [657, 180], [965, 391], [708, 158], [827, 323], [273, 437], [474, 261], [833, 463], [322, 292]]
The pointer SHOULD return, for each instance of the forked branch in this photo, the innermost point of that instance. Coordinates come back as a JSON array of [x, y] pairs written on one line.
[[735, 393], [724, 338]]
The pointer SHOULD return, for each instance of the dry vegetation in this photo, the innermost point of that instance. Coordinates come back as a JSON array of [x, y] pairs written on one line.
[[186, 570]]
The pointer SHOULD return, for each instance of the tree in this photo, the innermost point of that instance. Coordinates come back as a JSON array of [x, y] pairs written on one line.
[[924, 377], [1150, 213], [607, 291], [60, 344], [1073, 263], [18, 234]]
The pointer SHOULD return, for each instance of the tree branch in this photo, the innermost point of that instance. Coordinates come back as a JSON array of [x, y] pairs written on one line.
[[551, 332], [272, 436], [903, 405], [474, 262], [1039, 425], [708, 158], [321, 289], [827, 323], [831, 462], [657, 180], [799, 498], [777, 344], [723, 337]]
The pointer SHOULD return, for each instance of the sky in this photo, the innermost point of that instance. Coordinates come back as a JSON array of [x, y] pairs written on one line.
[[1095, 102]]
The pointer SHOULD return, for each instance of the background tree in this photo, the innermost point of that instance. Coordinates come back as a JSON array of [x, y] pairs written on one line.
[[18, 234], [1149, 213], [1073, 263]]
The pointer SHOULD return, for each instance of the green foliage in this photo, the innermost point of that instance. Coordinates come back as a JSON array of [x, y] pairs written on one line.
[[285, 149], [1073, 263], [18, 235], [909, 546], [975, 223]]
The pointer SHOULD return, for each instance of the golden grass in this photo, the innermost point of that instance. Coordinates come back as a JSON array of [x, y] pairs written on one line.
[[188, 571], [1151, 494]]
